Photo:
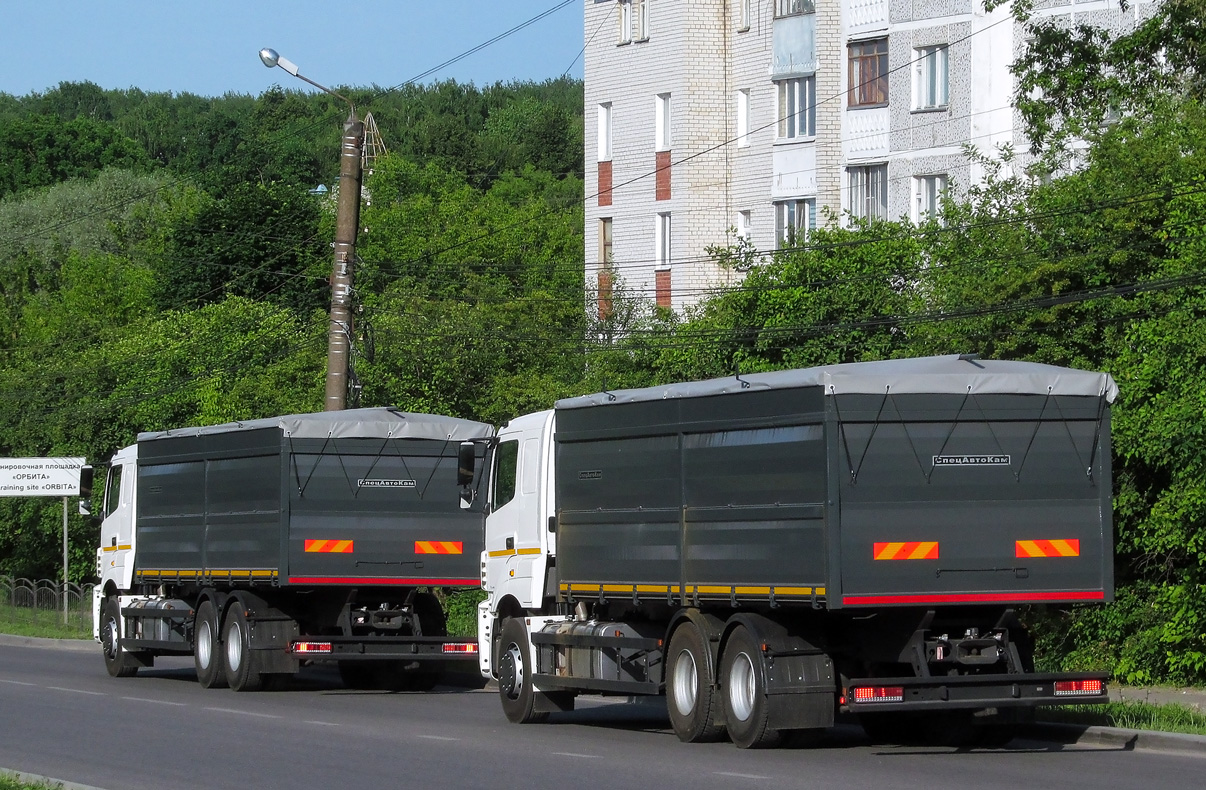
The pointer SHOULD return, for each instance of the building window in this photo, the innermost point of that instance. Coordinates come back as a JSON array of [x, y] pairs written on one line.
[[793, 221], [624, 21], [869, 73], [744, 15], [661, 288], [743, 118], [929, 191], [606, 253], [931, 85], [661, 126], [797, 108], [793, 7], [869, 191], [744, 222], [605, 132], [640, 15], [661, 255]]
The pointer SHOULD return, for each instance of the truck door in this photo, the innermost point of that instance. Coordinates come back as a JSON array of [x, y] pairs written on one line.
[[117, 527], [514, 550]]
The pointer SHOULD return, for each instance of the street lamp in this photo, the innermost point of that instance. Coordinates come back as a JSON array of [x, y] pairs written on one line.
[[339, 338]]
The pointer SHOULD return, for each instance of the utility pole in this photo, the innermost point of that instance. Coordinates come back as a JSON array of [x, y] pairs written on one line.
[[347, 226]]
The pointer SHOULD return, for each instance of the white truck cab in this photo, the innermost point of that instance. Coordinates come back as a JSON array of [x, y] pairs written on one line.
[[115, 556], [518, 561]]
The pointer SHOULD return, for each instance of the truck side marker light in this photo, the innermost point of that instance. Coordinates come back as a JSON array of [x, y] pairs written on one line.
[[1076, 688], [916, 550], [1047, 548], [329, 546], [439, 547], [311, 647], [879, 694], [460, 647]]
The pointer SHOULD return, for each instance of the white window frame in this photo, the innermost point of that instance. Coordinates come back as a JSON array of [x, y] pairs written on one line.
[[661, 124], [607, 241], [743, 118], [927, 195], [605, 131], [796, 108], [795, 219], [931, 77], [624, 22], [662, 238], [745, 222], [868, 191], [793, 8], [640, 17], [744, 16]]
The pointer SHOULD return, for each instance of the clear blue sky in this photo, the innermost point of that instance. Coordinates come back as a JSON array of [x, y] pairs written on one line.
[[209, 47]]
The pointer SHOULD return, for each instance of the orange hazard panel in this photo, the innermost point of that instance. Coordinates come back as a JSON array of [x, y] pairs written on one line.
[[916, 550], [439, 547], [1048, 548], [329, 546]]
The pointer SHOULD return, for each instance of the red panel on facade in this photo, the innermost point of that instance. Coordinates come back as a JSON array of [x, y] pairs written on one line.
[[605, 183], [662, 190], [662, 287]]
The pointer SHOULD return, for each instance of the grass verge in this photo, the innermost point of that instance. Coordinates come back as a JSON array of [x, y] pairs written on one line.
[[1131, 716], [23, 621], [13, 782]]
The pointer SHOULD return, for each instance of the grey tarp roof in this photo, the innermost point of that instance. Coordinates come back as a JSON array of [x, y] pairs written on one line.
[[947, 374], [378, 423]]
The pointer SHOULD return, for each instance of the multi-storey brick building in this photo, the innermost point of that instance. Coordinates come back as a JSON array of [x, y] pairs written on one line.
[[759, 118]]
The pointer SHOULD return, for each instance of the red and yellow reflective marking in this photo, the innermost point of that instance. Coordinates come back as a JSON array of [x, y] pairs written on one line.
[[329, 546], [439, 547], [915, 550], [1069, 547]]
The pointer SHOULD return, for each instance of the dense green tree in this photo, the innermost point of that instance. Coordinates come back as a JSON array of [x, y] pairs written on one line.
[[44, 149]]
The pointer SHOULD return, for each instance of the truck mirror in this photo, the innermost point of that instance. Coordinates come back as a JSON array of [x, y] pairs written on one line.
[[466, 461], [85, 507], [85, 482]]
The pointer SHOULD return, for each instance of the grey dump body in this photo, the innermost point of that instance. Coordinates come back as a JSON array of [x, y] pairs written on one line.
[[354, 498], [919, 482]]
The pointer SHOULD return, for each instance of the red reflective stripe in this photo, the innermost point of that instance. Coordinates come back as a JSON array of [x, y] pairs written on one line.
[[857, 600], [914, 550], [1066, 547], [329, 546], [379, 580], [439, 547]]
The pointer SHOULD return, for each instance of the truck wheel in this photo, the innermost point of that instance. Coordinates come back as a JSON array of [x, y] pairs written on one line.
[[119, 663], [207, 650], [689, 686], [241, 662], [515, 669], [745, 707]]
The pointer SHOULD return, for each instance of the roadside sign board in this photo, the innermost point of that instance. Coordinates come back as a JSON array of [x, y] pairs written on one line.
[[40, 476]]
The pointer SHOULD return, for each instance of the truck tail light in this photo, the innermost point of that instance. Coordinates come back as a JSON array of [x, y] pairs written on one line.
[[461, 647], [878, 694], [1071, 688], [311, 647]]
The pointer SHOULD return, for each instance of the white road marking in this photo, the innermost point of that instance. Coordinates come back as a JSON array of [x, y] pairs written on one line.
[[155, 701], [18, 683], [438, 738], [245, 713], [78, 691], [574, 754], [741, 776], [321, 723]]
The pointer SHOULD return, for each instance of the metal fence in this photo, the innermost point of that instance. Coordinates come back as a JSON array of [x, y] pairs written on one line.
[[44, 607]]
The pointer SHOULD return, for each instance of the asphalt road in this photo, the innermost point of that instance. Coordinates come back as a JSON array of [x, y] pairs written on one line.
[[61, 715]]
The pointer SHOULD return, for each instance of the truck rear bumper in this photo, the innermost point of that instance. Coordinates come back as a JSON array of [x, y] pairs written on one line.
[[862, 695]]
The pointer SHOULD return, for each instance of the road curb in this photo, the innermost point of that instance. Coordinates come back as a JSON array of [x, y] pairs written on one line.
[[1117, 737], [73, 645], [28, 778]]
